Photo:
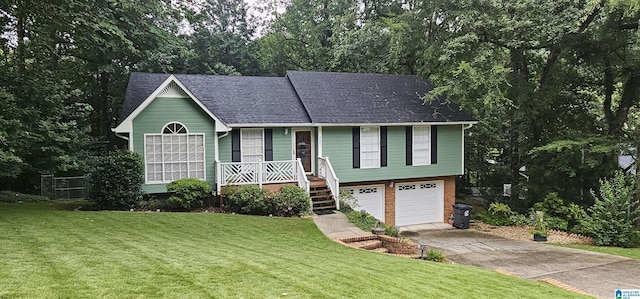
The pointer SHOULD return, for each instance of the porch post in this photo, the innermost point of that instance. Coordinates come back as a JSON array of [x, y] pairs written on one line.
[[259, 170]]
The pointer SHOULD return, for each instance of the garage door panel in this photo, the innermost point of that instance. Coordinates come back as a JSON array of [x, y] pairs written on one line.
[[370, 198], [419, 202]]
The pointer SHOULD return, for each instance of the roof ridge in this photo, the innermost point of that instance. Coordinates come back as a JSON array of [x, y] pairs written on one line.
[[306, 109]]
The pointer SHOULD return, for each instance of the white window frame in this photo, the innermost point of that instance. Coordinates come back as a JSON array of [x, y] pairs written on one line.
[[421, 149], [192, 155], [244, 146], [375, 148]]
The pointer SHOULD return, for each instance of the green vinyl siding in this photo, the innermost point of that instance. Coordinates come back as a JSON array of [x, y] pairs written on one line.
[[162, 111], [337, 145], [281, 146]]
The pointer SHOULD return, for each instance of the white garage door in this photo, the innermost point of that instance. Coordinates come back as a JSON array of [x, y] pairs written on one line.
[[370, 198], [419, 202]]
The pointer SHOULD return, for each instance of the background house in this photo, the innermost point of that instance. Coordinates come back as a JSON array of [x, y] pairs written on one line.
[[369, 134]]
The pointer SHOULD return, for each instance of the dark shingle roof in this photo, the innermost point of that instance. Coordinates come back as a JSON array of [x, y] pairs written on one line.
[[305, 97], [370, 98], [247, 100], [234, 99], [140, 86]]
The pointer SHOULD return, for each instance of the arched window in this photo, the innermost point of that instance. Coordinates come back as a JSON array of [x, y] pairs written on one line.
[[174, 154], [174, 128]]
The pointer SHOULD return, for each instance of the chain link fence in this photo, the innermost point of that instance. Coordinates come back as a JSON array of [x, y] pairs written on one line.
[[70, 188]]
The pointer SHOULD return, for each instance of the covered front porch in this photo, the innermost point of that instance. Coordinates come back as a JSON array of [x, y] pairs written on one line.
[[322, 187]]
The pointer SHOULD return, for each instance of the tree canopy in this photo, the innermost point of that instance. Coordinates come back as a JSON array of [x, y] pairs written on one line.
[[555, 85]]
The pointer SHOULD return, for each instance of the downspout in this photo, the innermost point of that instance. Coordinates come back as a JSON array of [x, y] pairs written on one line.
[[467, 127], [218, 168]]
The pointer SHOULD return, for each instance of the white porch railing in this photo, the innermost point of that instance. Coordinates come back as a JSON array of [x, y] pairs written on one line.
[[263, 172], [325, 172], [303, 182]]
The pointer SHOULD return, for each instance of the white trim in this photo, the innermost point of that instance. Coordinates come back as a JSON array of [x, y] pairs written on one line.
[[366, 128], [304, 125], [144, 151], [311, 144], [319, 142], [464, 128], [174, 122], [172, 90], [127, 124]]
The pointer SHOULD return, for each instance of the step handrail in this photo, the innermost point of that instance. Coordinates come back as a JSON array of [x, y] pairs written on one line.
[[326, 172]]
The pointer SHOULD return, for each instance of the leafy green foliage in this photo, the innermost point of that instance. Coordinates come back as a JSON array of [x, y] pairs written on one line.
[[539, 223], [611, 220], [347, 201], [253, 200], [435, 256], [11, 196], [291, 201], [498, 214], [116, 180], [362, 220], [188, 193]]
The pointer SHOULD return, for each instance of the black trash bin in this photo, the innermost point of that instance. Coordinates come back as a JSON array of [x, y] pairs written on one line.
[[461, 215]]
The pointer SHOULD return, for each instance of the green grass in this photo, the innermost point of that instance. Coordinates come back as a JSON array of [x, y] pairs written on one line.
[[633, 253], [50, 252]]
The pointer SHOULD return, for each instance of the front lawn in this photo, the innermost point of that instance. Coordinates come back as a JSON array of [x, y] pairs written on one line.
[[49, 252], [628, 252]]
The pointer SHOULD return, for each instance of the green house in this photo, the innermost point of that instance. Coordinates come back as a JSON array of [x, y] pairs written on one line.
[[369, 134]]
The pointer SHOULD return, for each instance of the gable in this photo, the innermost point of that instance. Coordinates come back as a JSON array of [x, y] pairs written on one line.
[[171, 87]]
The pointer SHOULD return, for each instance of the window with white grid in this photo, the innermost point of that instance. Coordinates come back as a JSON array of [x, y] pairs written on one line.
[[252, 145], [369, 147], [174, 154], [421, 145]]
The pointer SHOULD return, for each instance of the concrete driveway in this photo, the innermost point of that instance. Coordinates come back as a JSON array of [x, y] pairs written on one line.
[[593, 273]]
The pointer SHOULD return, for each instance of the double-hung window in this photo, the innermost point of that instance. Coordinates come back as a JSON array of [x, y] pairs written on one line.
[[369, 147], [252, 145], [421, 145], [174, 154]]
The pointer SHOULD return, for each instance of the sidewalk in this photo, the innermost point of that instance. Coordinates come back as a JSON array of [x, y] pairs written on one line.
[[337, 226]]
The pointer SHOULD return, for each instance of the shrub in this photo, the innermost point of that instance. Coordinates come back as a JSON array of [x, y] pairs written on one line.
[[347, 201], [435, 256], [519, 220], [612, 216], [116, 180], [291, 201], [253, 200], [560, 216], [188, 193], [498, 214], [247, 199], [10, 196], [362, 220]]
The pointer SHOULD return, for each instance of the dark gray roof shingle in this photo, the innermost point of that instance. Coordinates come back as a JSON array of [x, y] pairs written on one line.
[[370, 98], [305, 97], [247, 100], [139, 88]]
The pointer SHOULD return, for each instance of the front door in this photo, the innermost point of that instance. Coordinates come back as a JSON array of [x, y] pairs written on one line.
[[303, 148]]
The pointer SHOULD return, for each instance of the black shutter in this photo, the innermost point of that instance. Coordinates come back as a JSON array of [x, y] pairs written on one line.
[[356, 146], [409, 145], [434, 144], [268, 144], [383, 146], [236, 156]]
